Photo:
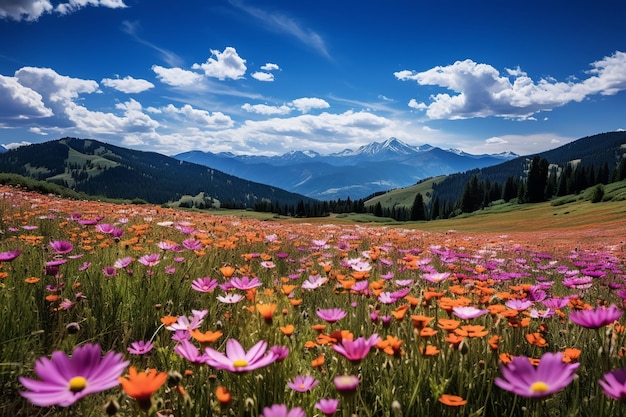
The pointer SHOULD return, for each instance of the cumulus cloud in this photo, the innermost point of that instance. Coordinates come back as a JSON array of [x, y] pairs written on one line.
[[270, 67], [306, 104], [20, 102], [266, 110], [32, 10], [15, 145], [202, 118], [263, 76], [223, 65], [482, 91], [176, 77], [128, 85]]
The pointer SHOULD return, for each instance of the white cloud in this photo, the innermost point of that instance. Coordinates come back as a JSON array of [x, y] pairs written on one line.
[[176, 77], [32, 10], [481, 91], [270, 67], [128, 85], [417, 106], [202, 118], [520, 144], [73, 5], [495, 140], [223, 65], [306, 104], [37, 131], [15, 145], [265, 109], [20, 102], [263, 76]]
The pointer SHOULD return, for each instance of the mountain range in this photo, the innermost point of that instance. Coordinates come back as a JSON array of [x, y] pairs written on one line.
[[357, 173]]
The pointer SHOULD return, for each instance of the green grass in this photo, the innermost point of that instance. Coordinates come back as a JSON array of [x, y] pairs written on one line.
[[404, 197]]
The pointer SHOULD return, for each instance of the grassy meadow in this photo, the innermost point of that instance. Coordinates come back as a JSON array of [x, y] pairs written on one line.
[[517, 313]]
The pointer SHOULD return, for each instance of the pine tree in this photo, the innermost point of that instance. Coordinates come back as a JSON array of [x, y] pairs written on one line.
[[417, 210]]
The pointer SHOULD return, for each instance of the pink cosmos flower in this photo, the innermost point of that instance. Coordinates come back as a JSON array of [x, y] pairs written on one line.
[[10, 255], [436, 277], [313, 282], [356, 350], [550, 376], [230, 298], [596, 318], [122, 262], [281, 410], [105, 228], [183, 322], [205, 284], [245, 283], [614, 384], [65, 380], [328, 406], [467, 313], [150, 260], [237, 359], [346, 384], [140, 347], [192, 244], [189, 351], [331, 315], [303, 383], [61, 246], [109, 271]]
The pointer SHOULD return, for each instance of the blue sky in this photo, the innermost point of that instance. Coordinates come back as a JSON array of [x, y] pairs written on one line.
[[268, 77]]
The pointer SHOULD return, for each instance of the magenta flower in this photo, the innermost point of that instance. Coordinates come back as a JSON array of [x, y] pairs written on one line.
[[331, 315], [436, 277], [467, 313], [550, 376], [313, 282], [105, 228], [192, 244], [10, 255], [65, 380], [123, 262], [280, 352], [237, 359], [189, 351], [614, 384], [140, 347], [346, 384], [355, 350], [183, 323], [61, 246], [281, 410], [245, 283], [596, 318], [303, 383], [328, 406], [150, 260], [109, 271], [205, 284]]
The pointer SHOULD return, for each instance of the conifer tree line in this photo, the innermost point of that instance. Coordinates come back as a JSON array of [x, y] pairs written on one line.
[[542, 182]]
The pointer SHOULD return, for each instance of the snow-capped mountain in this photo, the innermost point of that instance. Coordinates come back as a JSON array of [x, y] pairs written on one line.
[[357, 173]]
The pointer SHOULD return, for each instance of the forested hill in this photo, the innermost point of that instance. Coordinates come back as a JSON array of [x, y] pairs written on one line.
[[98, 168], [594, 154]]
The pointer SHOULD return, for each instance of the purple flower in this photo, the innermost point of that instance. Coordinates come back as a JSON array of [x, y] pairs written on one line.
[[331, 315], [436, 277], [105, 228], [237, 359], [245, 283], [85, 266], [140, 347], [355, 350], [346, 384], [519, 305], [192, 244], [280, 410], [280, 352], [109, 271], [550, 376], [596, 318], [183, 323], [10, 255], [467, 313], [65, 380], [150, 260], [313, 282], [61, 246], [189, 351], [614, 384], [303, 383], [328, 406], [205, 284]]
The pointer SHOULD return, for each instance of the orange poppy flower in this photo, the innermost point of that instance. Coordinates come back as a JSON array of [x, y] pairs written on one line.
[[391, 346], [318, 327], [430, 350], [505, 358], [266, 311], [536, 339], [287, 289], [294, 302], [448, 324], [571, 354], [494, 342], [207, 337], [427, 332], [227, 271], [169, 320], [31, 280], [413, 301], [309, 344], [400, 312], [452, 400], [317, 362], [223, 395], [420, 321], [454, 340], [471, 331], [288, 329], [141, 385], [52, 298]]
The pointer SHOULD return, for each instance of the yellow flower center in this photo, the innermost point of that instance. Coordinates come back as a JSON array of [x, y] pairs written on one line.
[[539, 386], [240, 363], [78, 383]]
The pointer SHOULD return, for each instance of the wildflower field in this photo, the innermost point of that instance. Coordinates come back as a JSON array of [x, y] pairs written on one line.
[[139, 310]]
